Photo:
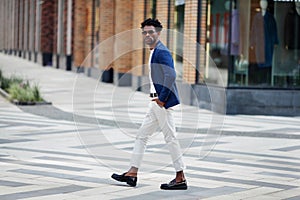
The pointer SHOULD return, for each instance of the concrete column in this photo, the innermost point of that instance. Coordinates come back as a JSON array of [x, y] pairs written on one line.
[[7, 38], [11, 26], [10, 23], [69, 36], [31, 29], [14, 29], [6, 27], [25, 33], [60, 33], [21, 30], [16, 26], [37, 42], [2, 31]]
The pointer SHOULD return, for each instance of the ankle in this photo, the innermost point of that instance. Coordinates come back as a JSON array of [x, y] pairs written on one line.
[[134, 174], [180, 176], [179, 179]]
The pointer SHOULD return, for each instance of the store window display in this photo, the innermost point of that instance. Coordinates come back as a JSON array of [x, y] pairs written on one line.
[[263, 40], [258, 41]]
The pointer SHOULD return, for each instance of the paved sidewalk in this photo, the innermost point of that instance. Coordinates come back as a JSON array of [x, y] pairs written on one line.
[[46, 152]]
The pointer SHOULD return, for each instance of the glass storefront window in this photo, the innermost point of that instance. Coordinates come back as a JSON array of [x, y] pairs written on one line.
[[218, 48], [179, 27], [258, 41], [286, 60]]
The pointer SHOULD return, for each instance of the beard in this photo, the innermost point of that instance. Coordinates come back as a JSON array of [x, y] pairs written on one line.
[[149, 40]]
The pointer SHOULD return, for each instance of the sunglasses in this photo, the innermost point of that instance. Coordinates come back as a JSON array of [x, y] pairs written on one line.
[[149, 32]]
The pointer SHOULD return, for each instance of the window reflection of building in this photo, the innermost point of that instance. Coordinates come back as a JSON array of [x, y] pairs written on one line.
[[219, 31], [286, 60], [179, 25]]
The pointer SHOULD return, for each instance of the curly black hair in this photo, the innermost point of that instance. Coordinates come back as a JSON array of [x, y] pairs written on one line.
[[152, 22]]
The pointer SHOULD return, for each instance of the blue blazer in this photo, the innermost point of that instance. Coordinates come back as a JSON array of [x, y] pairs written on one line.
[[163, 75]]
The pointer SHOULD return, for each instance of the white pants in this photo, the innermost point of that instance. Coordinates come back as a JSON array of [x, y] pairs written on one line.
[[163, 118]]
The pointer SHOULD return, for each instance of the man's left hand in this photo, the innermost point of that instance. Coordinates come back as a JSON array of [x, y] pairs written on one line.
[[160, 103]]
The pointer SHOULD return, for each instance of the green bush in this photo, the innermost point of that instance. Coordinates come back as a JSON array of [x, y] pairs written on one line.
[[6, 82], [19, 89]]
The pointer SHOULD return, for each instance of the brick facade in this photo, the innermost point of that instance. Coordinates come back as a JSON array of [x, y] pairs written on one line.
[[47, 26], [165, 13], [138, 16], [123, 16], [106, 31], [190, 31], [79, 32], [95, 21]]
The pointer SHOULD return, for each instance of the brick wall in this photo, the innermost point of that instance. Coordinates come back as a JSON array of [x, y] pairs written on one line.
[[163, 10], [88, 31], [107, 29], [79, 31], [55, 27], [138, 17], [112, 17], [202, 41], [190, 46], [47, 26], [124, 17], [190, 26], [65, 21]]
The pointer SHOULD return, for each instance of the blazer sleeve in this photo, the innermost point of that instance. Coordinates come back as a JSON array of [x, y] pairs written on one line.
[[169, 74]]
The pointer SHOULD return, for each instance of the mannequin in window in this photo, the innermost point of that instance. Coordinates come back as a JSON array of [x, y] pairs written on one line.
[[263, 39]]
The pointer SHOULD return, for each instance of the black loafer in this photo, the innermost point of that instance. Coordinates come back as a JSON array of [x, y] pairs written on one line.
[[130, 180], [173, 185]]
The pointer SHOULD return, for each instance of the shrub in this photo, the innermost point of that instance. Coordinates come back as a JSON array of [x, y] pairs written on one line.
[[6, 82], [19, 89]]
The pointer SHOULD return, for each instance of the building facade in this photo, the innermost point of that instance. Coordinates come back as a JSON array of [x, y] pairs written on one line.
[[231, 56]]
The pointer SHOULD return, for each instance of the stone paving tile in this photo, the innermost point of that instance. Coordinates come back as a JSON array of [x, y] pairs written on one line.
[[290, 148], [62, 196], [42, 192], [265, 197], [281, 175], [245, 194], [42, 156], [293, 198], [285, 194], [11, 183]]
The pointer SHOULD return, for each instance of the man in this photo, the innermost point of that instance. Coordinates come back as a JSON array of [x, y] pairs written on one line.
[[164, 96]]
